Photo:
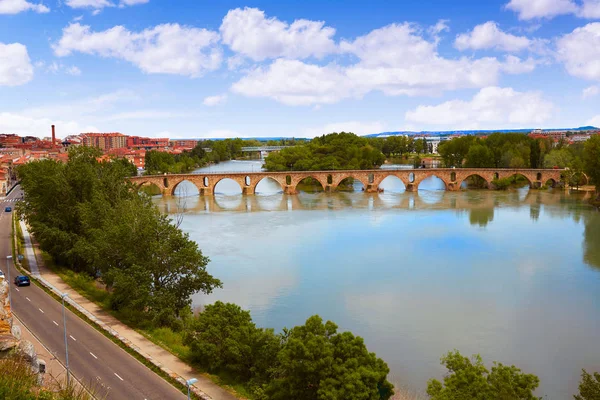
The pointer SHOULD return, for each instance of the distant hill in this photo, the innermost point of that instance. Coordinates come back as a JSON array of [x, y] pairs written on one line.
[[476, 132]]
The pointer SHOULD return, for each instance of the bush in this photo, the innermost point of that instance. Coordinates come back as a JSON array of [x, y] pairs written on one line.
[[502, 184], [470, 379]]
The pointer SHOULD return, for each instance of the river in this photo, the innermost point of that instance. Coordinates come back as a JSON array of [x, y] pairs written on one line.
[[514, 276]]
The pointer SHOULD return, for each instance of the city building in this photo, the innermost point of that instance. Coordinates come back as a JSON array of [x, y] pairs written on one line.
[[104, 141], [137, 142], [184, 143]]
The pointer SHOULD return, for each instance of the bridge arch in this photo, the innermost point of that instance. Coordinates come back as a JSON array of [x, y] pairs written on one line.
[[150, 187], [485, 183], [298, 179], [185, 190], [228, 187], [392, 183], [363, 181], [447, 185], [266, 185], [516, 176]]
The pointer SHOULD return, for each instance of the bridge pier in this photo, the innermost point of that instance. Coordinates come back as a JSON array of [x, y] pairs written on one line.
[[205, 191], [246, 190], [411, 187], [372, 188], [289, 190]]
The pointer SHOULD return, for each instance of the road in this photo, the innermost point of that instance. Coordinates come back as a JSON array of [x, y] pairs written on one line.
[[93, 359]]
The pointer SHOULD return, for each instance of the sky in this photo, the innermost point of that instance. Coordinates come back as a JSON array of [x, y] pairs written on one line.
[[199, 68]]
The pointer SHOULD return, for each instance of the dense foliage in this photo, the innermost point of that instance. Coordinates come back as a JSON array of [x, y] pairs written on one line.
[[589, 387], [91, 220], [470, 379], [327, 152], [307, 362], [591, 160], [159, 162]]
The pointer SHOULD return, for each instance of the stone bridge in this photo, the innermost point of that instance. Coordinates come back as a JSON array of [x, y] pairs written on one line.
[[329, 180]]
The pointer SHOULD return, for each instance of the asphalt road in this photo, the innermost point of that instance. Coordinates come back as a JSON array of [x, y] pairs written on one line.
[[95, 360]]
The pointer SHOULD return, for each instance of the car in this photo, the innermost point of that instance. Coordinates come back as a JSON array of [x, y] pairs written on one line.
[[8, 209], [22, 281], [1, 274]]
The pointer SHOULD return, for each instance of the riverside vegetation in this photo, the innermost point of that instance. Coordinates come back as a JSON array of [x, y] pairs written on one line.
[[88, 219]]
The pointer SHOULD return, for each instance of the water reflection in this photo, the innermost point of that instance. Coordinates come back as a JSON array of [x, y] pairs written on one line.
[[513, 275]]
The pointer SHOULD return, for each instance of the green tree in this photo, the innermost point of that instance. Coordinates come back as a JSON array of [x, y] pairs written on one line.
[[470, 379], [223, 338], [560, 158], [589, 387], [454, 151], [90, 219], [479, 156], [318, 363], [328, 152], [591, 160]]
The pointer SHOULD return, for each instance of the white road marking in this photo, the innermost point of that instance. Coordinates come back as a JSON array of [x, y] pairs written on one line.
[[27, 298], [118, 376], [93, 355], [42, 311], [72, 338], [17, 289], [55, 323]]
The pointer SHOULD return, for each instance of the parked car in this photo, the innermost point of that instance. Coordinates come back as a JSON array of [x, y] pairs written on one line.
[[1, 274], [8, 209], [22, 281]]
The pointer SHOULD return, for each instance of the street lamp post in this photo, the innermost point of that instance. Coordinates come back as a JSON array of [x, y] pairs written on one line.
[[8, 258], [189, 383], [64, 296]]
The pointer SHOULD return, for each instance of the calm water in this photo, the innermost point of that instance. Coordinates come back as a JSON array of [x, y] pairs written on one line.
[[514, 276]]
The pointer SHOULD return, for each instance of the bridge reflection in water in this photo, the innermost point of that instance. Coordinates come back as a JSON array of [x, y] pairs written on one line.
[[421, 200]]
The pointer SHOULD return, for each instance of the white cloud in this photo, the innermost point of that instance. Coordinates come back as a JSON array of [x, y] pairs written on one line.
[[490, 36], [394, 59], [15, 65], [73, 71], [167, 48], [357, 127], [439, 27], [57, 67], [31, 126], [293, 82], [17, 6], [214, 100], [590, 9], [74, 117], [580, 51], [133, 2], [249, 32], [531, 9], [98, 5], [491, 106], [591, 92], [514, 65]]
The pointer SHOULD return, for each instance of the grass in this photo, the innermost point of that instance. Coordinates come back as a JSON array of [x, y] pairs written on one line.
[[21, 244], [19, 382]]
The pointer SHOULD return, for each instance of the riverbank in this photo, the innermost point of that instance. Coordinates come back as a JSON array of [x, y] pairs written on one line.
[[90, 299]]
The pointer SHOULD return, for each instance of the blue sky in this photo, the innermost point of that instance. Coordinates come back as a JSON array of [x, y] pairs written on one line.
[[196, 68]]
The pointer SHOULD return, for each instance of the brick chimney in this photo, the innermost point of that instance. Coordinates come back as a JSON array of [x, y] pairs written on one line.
[[53, 136]]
